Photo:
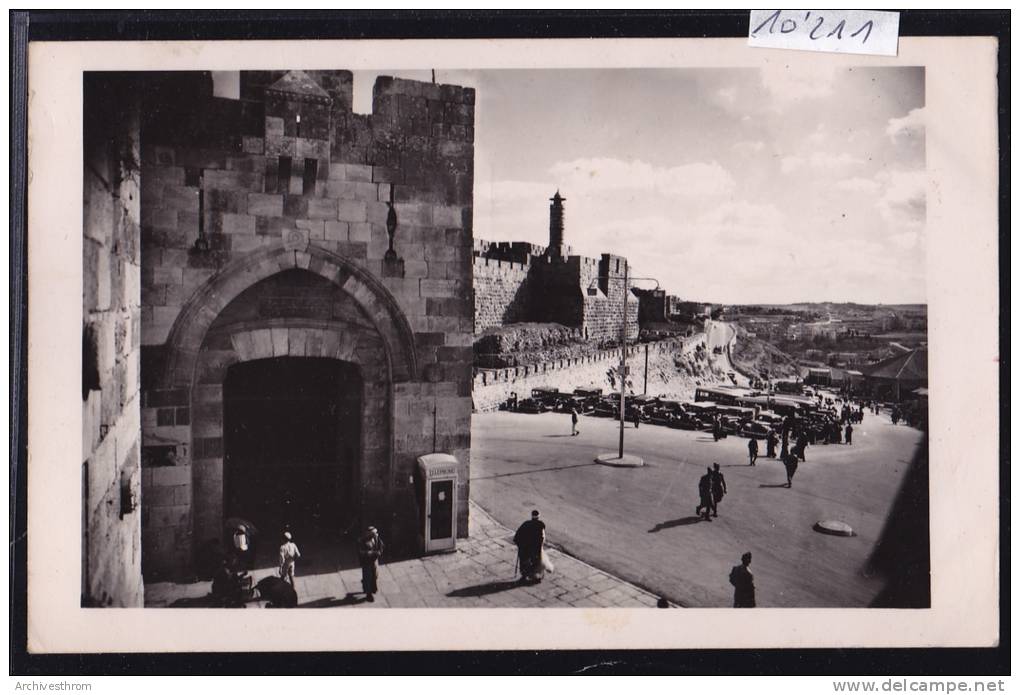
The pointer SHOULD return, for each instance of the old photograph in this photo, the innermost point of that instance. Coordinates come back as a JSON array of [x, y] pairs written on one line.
[[521, 338]]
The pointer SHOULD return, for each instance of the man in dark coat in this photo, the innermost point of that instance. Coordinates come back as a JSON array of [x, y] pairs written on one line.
[[791, 467], [529, 539], [718, 488], [743, 583], [705, 494], [849, 433], [752, 450], [770, 444], [370, 549]]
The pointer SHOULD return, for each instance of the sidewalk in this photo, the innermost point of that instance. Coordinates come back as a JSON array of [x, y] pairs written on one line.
[[479, 573]]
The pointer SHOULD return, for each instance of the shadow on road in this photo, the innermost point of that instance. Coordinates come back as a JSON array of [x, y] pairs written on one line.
[[779, 485], [558, 435], [535, 470], [686, 521], [483, 589], [330, 602]]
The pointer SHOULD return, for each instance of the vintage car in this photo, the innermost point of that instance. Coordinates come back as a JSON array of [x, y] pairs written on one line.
[[547, 396], [606, 408], [531, 405], [661, 417], [689, 421], [588, 397], [731, 424], [755, 428]]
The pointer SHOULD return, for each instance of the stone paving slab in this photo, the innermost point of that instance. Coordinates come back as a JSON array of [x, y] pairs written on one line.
[[480, 573]]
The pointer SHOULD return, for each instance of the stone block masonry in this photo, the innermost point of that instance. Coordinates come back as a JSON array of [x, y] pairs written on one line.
[[519, 282], [267, 236], [110, 470]]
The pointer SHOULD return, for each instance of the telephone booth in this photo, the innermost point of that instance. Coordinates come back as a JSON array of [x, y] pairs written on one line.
[[438, 501]]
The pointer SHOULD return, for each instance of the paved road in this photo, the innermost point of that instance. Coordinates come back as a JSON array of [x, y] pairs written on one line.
[[639, 523], [722, 335]]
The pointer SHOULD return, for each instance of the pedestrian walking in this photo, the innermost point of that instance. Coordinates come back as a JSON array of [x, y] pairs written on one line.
[[530, 539], [791, 468], [573, 423], [370, 549], [705, 495], [289, 554], [752, 450], [849, 434], [718, 488], [770, 444], [786, 445], [743, 583], [636, 418]]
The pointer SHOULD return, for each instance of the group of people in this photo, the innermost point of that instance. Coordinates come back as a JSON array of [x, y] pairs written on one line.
[[232, 584], [711, 489]]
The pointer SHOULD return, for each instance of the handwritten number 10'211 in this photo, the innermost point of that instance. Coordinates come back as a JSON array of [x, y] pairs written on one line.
[[787, 25]]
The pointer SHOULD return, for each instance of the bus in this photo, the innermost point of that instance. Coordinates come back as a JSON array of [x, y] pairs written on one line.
[[720, 394]]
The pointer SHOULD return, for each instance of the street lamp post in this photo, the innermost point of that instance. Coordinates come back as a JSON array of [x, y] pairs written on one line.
[[623, 339]]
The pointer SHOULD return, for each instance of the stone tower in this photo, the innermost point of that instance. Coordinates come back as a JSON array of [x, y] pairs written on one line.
[[556, 247]]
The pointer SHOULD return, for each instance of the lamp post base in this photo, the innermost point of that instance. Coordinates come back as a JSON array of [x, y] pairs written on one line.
[[613, 459]]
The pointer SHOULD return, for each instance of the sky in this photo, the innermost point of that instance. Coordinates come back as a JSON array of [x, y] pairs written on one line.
[[724, 185]]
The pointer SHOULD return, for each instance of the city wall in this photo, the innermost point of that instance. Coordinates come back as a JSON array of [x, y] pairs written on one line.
[[502, 292], [492, 387], [517, 282]]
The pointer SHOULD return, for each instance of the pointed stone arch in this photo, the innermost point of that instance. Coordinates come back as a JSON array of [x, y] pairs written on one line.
[[189, 330]]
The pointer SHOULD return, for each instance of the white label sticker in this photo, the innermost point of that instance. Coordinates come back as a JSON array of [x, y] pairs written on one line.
[[832, 31]]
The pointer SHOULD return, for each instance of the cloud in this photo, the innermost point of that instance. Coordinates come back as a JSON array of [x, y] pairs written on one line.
[[748, 147], [601, 175], [903, 204], [909, 128], [906, 240], [789, 85], [819, 161], [858, 184]]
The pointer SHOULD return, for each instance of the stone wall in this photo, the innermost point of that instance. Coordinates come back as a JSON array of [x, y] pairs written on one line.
[[111, 474], [492, 387], [515, 282], [502, 292], [409, 164]]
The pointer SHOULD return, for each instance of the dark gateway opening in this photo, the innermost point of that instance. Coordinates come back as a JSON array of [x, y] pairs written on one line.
[[291, 435]]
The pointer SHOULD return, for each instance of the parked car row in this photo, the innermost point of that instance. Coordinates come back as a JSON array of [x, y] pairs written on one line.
[[543, 400], [701, 415]]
